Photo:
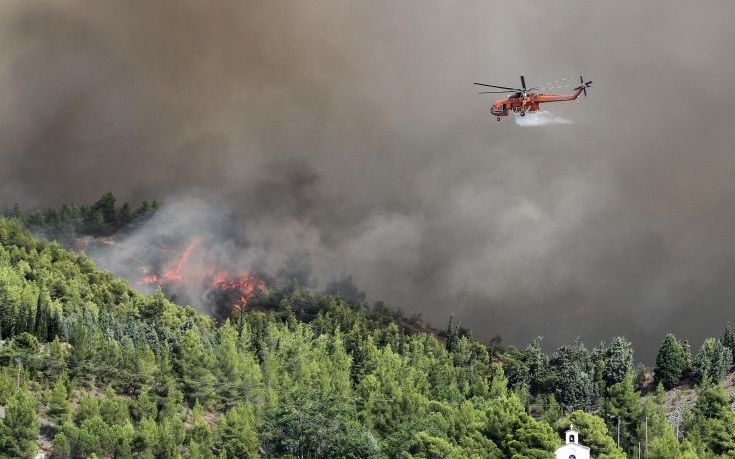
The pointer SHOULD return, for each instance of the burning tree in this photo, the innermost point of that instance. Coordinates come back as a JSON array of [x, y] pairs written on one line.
[[221, 291]]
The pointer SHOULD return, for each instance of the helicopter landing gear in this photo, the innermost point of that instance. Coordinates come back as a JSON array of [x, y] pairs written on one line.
[[523, 113], [498, 118]]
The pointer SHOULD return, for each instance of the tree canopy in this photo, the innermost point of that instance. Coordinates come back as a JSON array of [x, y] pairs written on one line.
[[89, 366]]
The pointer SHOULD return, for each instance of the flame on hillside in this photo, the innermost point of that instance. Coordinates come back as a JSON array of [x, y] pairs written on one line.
[[225, 291], [172, 273], [245, 287]]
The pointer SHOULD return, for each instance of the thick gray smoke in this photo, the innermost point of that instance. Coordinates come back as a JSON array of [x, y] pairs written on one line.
[[347, 137]]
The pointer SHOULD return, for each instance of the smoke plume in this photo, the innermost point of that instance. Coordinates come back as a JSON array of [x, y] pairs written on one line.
[[334, 138]]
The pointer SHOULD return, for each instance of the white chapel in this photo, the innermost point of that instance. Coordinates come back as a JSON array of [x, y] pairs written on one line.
[[572, 449]]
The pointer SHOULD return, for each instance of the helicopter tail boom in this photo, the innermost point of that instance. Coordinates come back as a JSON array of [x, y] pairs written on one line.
[[582, 88]]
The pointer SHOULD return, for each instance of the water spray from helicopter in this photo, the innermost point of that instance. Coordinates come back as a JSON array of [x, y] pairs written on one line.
[[540, 118]]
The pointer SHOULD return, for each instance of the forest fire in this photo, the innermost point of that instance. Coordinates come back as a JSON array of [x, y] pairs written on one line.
[[246, 287], [173, 272], [224, 292]]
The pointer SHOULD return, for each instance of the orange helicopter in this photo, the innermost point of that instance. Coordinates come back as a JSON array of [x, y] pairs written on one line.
[[523, 99]]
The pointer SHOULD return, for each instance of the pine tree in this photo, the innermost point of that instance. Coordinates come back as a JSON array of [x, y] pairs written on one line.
[[113, 409], [145, 441], [688, 361], [19, 430], [125, 216], [624, 403], [106, 206], [62, 449], [728, 339], [669, 362], [533, 439], [199, 437], [537, 363], [573, 372], [703, 361], [57, 356], [237, 430], [41, 323], [713, 423], [11, 288], [451, 334], [57, 398], [229, 363], [713, 361], [171, 435], [339, 366], [721, 362], [193, 364], [618, 361]]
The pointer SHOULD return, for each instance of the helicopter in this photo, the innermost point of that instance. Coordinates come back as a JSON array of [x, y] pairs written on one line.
[[522, 100]]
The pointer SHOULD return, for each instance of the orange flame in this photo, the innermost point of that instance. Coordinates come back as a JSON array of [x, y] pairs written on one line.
[[238, 290], [149, 278], [247, 285], [171, 273]]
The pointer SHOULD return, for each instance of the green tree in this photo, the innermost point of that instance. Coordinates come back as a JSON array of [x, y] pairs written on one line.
[[618, 361], [573, 375], [721, 361], [712, 362], [57, 399], [20, 428], [62, 449], [11, 288], [194, 364], [113, 409], [623, 403], [688, 361], [533, 439], [106, 206], [199, 437], [171, 436], [662, 441], [702, 362], [125, 215], [238, 432], [145, 441], [713, 424], [314, 424], [728, 339], [669, 362]]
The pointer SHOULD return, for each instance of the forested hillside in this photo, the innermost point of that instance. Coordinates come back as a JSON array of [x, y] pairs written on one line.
[[100, 219], [91, 368]]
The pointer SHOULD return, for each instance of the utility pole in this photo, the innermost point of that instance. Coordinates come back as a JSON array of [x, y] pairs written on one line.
[[646, 455], [17, 381], [618, 431]]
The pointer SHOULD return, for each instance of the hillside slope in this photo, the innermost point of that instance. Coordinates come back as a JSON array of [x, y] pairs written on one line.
[[89, 366]]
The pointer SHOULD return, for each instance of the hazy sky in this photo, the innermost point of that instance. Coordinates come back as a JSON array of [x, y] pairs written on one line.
[[351, 132]]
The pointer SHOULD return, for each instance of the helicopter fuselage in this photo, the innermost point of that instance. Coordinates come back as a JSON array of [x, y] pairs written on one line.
[[530, 102]]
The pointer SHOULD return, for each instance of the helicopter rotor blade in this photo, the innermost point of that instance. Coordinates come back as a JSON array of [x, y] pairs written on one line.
[[499, 87], [495, 92]]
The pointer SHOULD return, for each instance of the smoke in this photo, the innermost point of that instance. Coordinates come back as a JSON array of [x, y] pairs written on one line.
[[346, 138], [540, 118]]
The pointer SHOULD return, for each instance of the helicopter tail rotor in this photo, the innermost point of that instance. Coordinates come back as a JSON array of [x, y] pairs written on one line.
[[584, 85]]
